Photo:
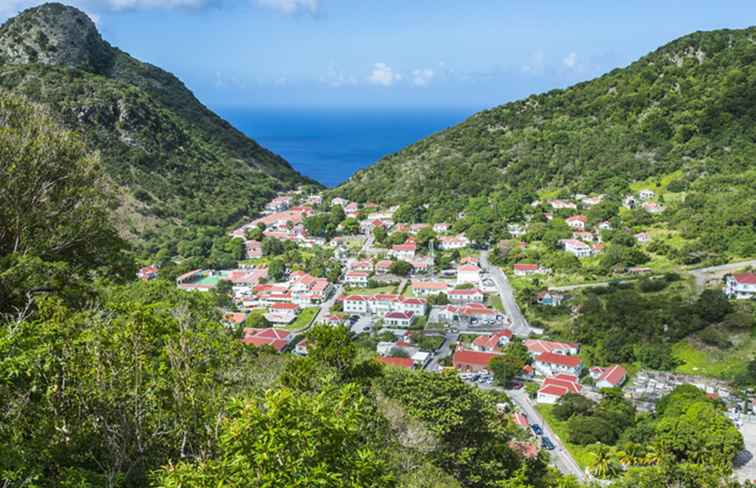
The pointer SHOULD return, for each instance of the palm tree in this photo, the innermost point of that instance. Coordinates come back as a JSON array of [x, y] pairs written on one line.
[[653, 455], [632, 454], [604, 465]]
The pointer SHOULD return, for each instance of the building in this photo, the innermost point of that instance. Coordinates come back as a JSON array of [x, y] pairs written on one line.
[[301, 348], [577, 248], [468, 274], [646, 194], [278, 339], [740, 285], [556, 387], [476, 311], [398, 319], [549, 298], [278, 204], [382, 304], [550, 364], [577, 222], [383, 266], [589, 202], [148, 273], [465, 295], [440, 228], [428, 288], [561, 204], [538, 346], [363, 265], [642, 237], [469, 361], [493, 342], [448, 243], [357, 278], [526, 269], [396, 361], [253, 249], [404, 251], [583, 235], [611, 377], [516, 230], [653, 207]]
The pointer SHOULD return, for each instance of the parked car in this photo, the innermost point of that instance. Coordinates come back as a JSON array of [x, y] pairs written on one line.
[[537, 430], [547, 444]]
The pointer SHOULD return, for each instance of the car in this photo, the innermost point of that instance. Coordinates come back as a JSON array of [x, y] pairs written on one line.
[[516, 386], [537, 430], [547, 444]]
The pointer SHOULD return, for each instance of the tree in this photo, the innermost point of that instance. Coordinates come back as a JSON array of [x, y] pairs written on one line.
[[351, 226], [424, 236], [505, 369], [323, 435], [713, 305], [401, 268], [272, 247], [603, 463], [572, 404], [333, 347], [254, 233]]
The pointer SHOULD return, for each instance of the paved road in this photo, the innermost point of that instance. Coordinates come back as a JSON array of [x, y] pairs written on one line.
[[520, 326], [325, 308], [559, 456], [702, 275], [442, 352]]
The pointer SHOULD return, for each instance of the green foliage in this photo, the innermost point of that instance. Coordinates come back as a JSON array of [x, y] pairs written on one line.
[[401, 268], [508, 365]]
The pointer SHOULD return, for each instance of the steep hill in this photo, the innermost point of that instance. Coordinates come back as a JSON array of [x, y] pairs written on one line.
[[169, 157], [690, 105]]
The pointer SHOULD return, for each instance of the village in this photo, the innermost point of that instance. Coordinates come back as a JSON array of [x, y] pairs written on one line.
[[424, 297]]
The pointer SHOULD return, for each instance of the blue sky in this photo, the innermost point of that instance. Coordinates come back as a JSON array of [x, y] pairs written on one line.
[[398, 53]]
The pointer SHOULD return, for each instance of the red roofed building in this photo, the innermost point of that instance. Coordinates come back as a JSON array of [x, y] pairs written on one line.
[[396, 361], [610, 377], [357, 278], [550, 364], [492, 343], [426, 288], [466, 295], [520, 419], [525, 269], [556, 387], [468, 273], [398, 319], [148, 273], [741, 285], [278, 339], [537, 346], [383, 266], [472, 360], [404, 251], [577, 221]]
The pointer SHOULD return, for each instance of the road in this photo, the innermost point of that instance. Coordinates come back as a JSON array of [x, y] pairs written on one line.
[[559, 456], [520, 326], [325, 309], [702, 275], [444, 351]]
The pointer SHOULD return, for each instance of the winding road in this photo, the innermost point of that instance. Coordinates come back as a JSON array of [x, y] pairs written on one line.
[[520, 326]]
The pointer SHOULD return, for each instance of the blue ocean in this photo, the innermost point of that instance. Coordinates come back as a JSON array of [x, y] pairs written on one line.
[[330, 145]]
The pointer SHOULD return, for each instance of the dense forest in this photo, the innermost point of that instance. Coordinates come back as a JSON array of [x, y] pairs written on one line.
[[688, 109], [168, 159]]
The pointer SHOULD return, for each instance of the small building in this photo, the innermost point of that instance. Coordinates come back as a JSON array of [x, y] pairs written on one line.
[[549, 298], [550, 364], [493, 342], [361, 265], [653, 207], [355, 304], [577, 222], [561, 204], [396, 361], [538, 346], [398, 319], [469, 361], [468, 274], [741, 285], [577, 248], [357, 278], [428, 288], [526, 269], [448, 243], [440, 228], [642, 237], [646, 194], [465, 295], [556, 387], [611, 377], [278, 339], [383, 266], [404, 251], [301, 348], [253, 249], [148, 273]]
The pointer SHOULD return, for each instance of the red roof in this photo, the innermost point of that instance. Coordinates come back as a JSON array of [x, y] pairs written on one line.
[[538, 346], [283, 306], [396, 361], [358, 274], [472, 357], [405, 247], [553, 390], [399, 315], [465, 291], [577, 218], [520, 419], [355, 298], [492, 341], [614, 375], [525, 267], [745, 278], [560, 359], [468, 267]]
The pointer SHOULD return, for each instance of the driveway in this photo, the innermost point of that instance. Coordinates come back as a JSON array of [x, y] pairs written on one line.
[[746, 460], [520, 326]]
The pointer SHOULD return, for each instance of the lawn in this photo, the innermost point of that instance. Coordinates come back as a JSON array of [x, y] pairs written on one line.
[[725, 364], [581, 454], [383, 290], [304, 318], [494, 300]]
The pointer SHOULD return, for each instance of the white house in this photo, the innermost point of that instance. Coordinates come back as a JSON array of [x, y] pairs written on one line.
[[492, 343], [537, 346], [516, 230], [465, 295], [653, 207], [525, 269], [577, 248], [551, 363], [610, 377], [577, 221], [468, 273], [356, 278], [440, 228], [556, 387], [447, 243], [646, 194], [741, 285], [561, 204], [405, 251], [398, 319]]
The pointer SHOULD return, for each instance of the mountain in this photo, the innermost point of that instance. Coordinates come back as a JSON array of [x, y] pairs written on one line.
[[169, 158], [689, 106]]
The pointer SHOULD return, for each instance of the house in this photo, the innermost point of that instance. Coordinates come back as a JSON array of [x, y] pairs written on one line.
[[448, 243], [646, 194], [605, 225], [282, 313], [332, 320], [234, 318], [382, 304], [148, 273], [589, 202], [427, 288], [551, 363], [577, 248], [421, 264], [476, 311], [415, 228], [440, 228], [357, 278], [396, 361], [253, 249], [465, 295], [538, 346], [301, 348], [549, 298], [577, 221], [629, 202], [383, 266], [492, 343], [464, 360], [561, 204], [526, 449], [398, 319], [278, 339], [597, 248], [642, 237], [653, 207], [740, 285], [468, 273], [404, 251], [314, 200], [520, 419], [516, 230], [556, 387], [611, 377], [278, 204], [355, 304], [583, 235], [363, 265], [351, 210], [526, 269], [341, 202]]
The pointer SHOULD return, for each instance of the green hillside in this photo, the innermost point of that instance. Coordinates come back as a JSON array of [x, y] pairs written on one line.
[[689, 107], [169, 158]]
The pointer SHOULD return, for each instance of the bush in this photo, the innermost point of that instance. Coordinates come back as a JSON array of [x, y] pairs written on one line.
[[714, 337], [650, 285]]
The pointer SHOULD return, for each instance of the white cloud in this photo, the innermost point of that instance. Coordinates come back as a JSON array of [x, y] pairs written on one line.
[[570, 61], [337, 78], [422, 77], [383, 74], [536, 64], [290, 7]]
